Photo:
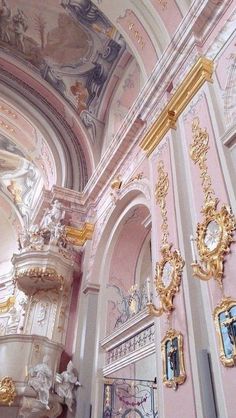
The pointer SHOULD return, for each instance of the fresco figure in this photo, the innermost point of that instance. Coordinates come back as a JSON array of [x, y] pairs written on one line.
[[5, 15], [20, 26]]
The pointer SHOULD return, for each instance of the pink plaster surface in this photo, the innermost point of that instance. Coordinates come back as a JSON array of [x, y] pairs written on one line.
[[127, 248], [125, 257], [179, 404], [140, 39], [202, 111], [130, 87], [169, 12]]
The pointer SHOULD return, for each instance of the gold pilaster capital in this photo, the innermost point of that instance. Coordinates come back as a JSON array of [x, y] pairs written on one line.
[[202, 71], [79, 236]]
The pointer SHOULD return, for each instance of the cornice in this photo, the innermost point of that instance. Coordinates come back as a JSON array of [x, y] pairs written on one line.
[[202, 71], [91, 288], [79, 236]]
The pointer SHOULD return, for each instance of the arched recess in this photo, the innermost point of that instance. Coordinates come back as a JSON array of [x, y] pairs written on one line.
[[61, 131], [127, 230]]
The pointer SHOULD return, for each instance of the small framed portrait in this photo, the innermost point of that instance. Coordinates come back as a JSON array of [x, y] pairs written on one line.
[[225, 322], [173, 359]]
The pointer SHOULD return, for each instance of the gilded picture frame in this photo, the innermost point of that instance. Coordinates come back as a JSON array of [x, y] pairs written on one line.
[[168, 276], [214, 237], [225, 323], [173, 359]]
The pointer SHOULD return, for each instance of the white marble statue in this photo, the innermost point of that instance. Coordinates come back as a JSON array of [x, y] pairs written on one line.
[[40, 378], [13, 321], [53, 216], [65, 383]]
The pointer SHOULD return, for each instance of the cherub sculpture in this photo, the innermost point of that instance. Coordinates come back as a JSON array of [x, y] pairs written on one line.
[[40, 378], [65, 383]]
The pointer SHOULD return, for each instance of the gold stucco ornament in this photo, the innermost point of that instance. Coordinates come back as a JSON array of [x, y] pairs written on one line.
[[214, 234], [169, 268], [168, 276], [7, 391]]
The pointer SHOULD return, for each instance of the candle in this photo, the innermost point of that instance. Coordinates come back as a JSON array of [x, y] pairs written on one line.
[[148, 290], [193, 249]]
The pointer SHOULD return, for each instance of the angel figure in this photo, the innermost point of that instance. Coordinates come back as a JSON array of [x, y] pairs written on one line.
[[40, 378], [65, 383]]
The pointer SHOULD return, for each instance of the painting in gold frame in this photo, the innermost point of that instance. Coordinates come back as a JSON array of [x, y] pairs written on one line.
[[173, 359], [225, 323]]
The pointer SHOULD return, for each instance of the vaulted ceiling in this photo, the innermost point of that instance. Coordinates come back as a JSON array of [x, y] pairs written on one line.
[[70, 70]]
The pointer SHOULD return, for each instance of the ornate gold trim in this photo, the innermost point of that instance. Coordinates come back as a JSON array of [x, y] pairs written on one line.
[[7, 391], [5, 306], [39, 275], [170, 259], [202, 71], [224, 307], [167, 293], [211, 258], [79, 236], [170, 336], [161, 192]]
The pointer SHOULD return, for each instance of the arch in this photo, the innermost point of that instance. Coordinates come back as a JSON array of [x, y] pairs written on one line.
[[62, 131]]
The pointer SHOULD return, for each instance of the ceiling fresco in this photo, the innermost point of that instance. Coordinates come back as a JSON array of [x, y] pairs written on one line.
[[69, 43]]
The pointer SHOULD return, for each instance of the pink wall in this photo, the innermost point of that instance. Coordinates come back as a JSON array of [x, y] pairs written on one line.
[[125, 256], [180, 403], [140, 39], [169, 12], [200, 108]]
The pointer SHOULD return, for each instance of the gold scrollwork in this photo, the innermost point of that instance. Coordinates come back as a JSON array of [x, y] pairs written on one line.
[[225, 323], [168, 276], [213, 243], [7, 391], [160, 194], [40, 275], [173, 359], [169, 269], [215, 233]]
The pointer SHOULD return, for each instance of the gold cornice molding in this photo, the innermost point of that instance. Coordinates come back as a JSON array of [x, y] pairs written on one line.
[[6, 305], [79, 236], [202, 71]]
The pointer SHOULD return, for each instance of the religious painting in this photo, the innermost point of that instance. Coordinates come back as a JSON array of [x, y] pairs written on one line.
[[173, 359], [225, 322], [71, 44]]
